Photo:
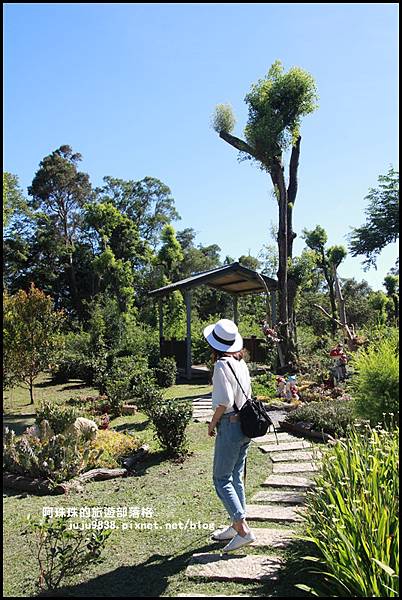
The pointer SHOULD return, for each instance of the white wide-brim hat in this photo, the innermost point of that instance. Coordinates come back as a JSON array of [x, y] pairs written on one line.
[[224, 336]]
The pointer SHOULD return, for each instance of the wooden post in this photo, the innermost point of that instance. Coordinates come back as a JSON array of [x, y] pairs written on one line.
[[273, 307], [187, 297], [160, 305], [235, 310]]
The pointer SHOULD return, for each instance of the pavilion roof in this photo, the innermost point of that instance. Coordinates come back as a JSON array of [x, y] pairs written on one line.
[[234, 279]]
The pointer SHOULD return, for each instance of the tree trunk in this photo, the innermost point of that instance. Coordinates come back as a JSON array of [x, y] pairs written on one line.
[[278, 181], [291, 235], [286, 199], [330, 282], [31, 392], [339, 298]]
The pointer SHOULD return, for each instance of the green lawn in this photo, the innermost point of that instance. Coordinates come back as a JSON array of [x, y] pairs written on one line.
[[139, 563]]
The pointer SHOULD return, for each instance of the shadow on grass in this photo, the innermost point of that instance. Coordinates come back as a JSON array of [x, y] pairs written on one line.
[[45, 384], [75, 386], [132, 426], [152, 460], [146, 579], [296, 570]]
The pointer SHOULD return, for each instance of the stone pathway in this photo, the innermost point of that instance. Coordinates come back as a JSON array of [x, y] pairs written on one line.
[[202, 410], [294, 464]]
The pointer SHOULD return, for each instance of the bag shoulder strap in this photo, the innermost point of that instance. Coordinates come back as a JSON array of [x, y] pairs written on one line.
[[236, 409], [231, 368]]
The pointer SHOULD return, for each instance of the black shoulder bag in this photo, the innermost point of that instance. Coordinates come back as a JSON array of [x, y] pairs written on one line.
[[254, 417]]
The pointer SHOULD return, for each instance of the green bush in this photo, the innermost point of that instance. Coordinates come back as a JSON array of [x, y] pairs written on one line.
[[170, 419], [62, 552], [352, 516], [375, 383], [117, 382], [73, 359], [331, 416], [143, 389], [166, 372], [59, 417], [264, 385]]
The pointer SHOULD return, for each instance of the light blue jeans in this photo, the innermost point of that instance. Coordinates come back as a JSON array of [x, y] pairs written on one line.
[[231, 447]]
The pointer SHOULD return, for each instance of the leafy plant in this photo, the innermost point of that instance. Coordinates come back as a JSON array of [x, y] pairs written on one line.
[[59, 417], [352, 515], [72, 361], [375, 385], [58, 458], [166, 372], [113, 447], [332, 416], [170, 419], [60, 551], [31, 335], [117, 382], [264, 385]]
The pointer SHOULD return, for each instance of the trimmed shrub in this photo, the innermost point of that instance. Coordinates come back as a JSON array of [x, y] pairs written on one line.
[[375, 384], [166, 372], [143, 390], [170, 419], [117, 382], [352, 517], [332, 416]]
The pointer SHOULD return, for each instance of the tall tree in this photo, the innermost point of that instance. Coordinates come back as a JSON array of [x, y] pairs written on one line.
[[382, 220], [60, 191], [120, 251], [276, 105], [167, 262], [13, 198], [148, 203]]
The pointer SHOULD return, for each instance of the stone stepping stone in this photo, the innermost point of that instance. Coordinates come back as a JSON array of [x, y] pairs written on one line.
[[270, 438], [258, 512], [202, 413], [229, 567], [295, 455], [281, 497], [283, 447], [203, 403], [288, 481], [303, 467]]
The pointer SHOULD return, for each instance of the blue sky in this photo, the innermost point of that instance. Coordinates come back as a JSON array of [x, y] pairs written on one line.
[[132, 88]]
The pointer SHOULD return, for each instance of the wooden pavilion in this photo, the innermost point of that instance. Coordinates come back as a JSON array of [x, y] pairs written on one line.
[[235, 279]]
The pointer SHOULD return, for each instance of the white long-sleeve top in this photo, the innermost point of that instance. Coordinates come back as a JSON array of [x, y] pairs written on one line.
[[225, 389]]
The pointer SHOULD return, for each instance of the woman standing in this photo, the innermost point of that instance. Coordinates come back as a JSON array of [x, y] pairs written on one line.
[[231, 445]]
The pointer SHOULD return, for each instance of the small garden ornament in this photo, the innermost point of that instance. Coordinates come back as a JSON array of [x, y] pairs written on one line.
[[291, 389], [280, 387]]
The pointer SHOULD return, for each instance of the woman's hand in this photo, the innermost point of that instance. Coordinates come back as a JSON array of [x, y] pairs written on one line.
[[211, 429]]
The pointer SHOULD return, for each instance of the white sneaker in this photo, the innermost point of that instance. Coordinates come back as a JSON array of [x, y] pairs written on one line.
[[239, 541], [224, 534]]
